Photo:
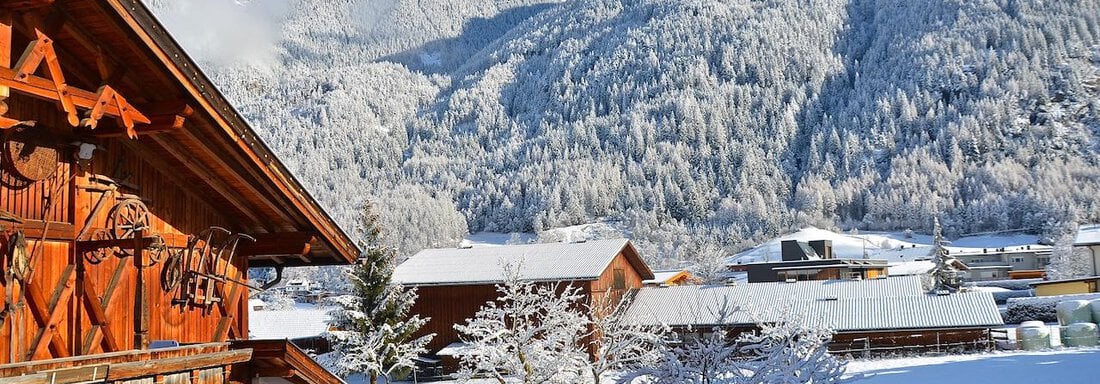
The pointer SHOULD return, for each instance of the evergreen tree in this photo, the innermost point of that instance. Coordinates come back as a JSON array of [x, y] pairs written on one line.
[[1066, 261], [945, 275], [374, 325]]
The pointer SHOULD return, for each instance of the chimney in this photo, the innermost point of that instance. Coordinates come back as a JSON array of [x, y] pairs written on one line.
[[792, 251], [824, 248]]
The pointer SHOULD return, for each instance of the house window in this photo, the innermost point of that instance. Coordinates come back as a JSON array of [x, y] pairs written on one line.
[[620, 279], [1017, 259]]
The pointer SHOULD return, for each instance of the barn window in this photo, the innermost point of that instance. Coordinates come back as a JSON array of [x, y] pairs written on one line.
[[620, 279]]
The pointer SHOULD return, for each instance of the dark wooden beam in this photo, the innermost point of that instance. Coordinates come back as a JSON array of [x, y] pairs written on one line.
[[157, 124], [23, 5], [91, 245], [278, 244]]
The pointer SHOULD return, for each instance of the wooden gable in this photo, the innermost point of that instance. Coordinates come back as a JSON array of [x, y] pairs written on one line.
[[133, 198]]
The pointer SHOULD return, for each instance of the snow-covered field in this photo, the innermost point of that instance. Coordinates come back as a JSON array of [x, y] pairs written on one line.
[[1056, 366]]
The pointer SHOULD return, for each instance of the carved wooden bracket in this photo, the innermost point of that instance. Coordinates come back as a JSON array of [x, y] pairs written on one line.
[[21, 77]]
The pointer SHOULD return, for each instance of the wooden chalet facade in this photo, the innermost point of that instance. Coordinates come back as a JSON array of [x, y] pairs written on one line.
[[133, 199], [453, 284]]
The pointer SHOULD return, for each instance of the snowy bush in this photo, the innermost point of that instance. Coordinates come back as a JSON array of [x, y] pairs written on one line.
[[1012, 285], [1002, 297], [621, 345], [277, 300], [778, 353], [532, 333], [1039, 308]]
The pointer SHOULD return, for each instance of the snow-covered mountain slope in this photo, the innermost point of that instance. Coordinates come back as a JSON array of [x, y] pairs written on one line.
[[686, 119]]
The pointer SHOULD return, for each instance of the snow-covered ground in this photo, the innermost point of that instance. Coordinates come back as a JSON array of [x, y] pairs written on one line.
[[1055, 366]]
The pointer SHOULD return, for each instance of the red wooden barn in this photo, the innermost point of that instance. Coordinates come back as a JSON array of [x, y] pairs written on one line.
[[133, 200], [453, 283]]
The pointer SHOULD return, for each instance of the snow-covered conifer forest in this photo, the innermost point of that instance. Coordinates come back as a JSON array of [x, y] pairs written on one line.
[[730, 120]]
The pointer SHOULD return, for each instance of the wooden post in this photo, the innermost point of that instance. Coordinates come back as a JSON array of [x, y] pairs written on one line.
[[141, 303], [5, 47]]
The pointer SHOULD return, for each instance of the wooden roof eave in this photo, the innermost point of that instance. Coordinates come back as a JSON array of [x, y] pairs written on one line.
[[231, 128]]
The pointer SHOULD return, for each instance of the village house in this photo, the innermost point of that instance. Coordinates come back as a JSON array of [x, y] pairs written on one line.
[[133, 199], [813, 260], [1000, 263], [453, 283], [870, 317], [1076, 286], [1089, 236]]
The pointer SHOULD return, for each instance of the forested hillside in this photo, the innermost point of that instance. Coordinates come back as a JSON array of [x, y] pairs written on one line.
[[680, 119]]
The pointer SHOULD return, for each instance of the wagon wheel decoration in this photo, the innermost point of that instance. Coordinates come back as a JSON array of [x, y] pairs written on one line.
[[96, 256], [173, 271], [157, 250], [127, 217]]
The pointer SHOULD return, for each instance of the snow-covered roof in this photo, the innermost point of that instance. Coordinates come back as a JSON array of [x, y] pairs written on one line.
[[1088, 235], [661, 277], [289, 324], [878, 304], [537, 262]]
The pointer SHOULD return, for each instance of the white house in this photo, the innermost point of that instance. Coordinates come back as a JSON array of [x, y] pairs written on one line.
[[1089, 236], [298, 286]]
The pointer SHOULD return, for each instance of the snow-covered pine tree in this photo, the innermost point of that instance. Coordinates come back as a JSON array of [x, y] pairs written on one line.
[[945, 274], [374, 326], [532, 333], [1066, 261]]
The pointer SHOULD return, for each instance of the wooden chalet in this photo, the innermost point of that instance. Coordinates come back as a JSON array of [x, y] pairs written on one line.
[[454, 283], [133, 199]]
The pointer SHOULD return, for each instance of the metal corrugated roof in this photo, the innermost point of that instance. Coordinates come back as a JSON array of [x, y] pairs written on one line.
[[894, 303], [539, 262]]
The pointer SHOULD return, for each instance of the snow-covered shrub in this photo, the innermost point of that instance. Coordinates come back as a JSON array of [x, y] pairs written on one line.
[[1003, 296], [783, 352], [1039, 308], [1013, 285], [532, 333], [621, 345], [277, 300]]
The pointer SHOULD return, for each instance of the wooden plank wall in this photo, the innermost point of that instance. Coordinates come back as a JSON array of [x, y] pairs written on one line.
[[175, 213], [603, 286], [447, 306]]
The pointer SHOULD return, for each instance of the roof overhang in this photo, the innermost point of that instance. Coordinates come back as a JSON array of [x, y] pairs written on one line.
[[281, 358], [212, 152]]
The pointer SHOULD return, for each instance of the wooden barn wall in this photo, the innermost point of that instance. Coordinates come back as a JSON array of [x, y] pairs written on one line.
[[447, 306], [603, 286], [175, 213]]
